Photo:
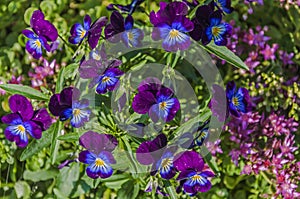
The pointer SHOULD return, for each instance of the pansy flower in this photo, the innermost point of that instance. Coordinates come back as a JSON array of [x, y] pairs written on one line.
[[156, 100], [237, 101], [43, 31], [172, 25], [217, 30], [193, 178], [98, 155], [102, 71], [24, 121], [130, 8], [157, 154], [122, 29], [91, 31], [67, 105]]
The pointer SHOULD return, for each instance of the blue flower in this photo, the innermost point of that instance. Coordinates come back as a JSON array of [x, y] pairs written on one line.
[[35, 44], [172, 25], [98, 155], [66, 105], [79, 32], [216, 30], [109, 80], [156, 100]]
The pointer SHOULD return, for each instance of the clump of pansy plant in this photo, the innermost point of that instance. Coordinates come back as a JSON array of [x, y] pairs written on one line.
[[194, 174], [43, 32], [159, 155], [171, 25], [90, 31], [122, 29], [24, 121], [156, 100], [67, 105], [102, 71], [209, 26], [238, 101], [98, 154]]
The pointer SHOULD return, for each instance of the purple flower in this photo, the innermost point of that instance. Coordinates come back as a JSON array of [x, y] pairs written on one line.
[[66, 105], [101, 70], [24, 120], [286, 58], [217, 30], [192, 175], [98, 155], [156, 100], [238, 99], [122, 29], [171, 25], [43, 31], [93, 32], [268, 52], [157, 154], [35, 44]]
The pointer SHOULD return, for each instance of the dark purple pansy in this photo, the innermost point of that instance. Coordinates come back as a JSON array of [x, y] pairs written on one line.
[[24, 120], [101, 70], [44, 31], [193, 178], [67, 105], [122, 29], [93, 32], [157, 154], [98, 155], [156, 100], [238, 99], [130, 8], [172, 25]]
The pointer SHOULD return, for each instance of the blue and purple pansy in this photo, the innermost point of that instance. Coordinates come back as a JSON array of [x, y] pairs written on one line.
[[193, 177], [172, 25], [43, 32], [122, 29], [156, 100], [98, 155], [157, 154], [67, 105], [24, 121]]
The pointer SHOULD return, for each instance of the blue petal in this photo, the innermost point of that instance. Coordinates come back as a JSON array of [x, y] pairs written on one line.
[[65, 114], [102, 168], [165, 166], [87, 157], [13, 134], [79, 117]]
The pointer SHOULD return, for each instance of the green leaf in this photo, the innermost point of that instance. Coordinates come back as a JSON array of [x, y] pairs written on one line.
[[22, 189], [54, 142], [41, 175], [65, 73], [129, 190], [170, 189], [36, 146], [69, 137], [27, 91], [224, 53]]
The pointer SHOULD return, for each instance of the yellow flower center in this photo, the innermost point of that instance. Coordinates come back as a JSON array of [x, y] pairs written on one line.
[[196, 177], [174, 33], [38, 43], [21, 128], [162, 105], [105, 79], [235, 101], [166, 162], [130, 35], [215, 31], [99, 162], [82, 34], [76, 112]]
